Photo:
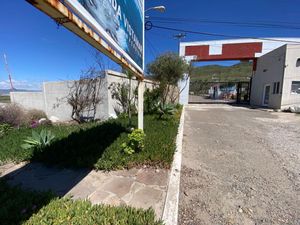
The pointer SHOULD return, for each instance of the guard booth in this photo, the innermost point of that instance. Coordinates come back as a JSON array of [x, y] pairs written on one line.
[[243, 92], [201, 92]]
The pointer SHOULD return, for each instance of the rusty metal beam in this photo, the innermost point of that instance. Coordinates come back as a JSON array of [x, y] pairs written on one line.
[[59, 12]]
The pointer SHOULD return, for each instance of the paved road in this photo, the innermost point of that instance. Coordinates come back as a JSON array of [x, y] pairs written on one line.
[[240, 166]]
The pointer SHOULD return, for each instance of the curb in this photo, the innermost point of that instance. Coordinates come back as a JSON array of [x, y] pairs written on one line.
[[170, 213]]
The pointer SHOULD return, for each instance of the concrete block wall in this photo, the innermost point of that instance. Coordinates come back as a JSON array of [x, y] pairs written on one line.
[[116, 77], [29, 100], [55, 100], [52, 99]]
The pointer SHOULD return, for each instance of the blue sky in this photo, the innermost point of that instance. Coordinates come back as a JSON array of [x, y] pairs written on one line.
[[38, 51]]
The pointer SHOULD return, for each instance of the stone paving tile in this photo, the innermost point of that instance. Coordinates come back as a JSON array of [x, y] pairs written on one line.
[[134, 188], [88, 185], [120, 186], [126, 173], [147, 197], [142, 188], [113, 201], [99, 196], [153, 177]]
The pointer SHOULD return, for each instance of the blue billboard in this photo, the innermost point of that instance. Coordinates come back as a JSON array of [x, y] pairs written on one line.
[[121, 25]]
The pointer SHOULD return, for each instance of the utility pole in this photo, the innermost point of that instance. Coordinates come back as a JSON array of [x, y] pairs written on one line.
[[9, 74], [179, 37]]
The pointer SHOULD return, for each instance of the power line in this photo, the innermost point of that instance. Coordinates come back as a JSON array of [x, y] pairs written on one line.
[[221, 35], [152, 48], [283, 25], [238, 25]]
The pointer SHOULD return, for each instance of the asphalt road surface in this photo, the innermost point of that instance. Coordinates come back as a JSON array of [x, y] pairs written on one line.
[[240, 166]]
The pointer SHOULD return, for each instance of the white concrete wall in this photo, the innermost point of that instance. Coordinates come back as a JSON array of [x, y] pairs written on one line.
[[270, 69], [56, 100], [115, 77], [184, 88], [29, 100], [52, 100], [56, 105], [292, 73]]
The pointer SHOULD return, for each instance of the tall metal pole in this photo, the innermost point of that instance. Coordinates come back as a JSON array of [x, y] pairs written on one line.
[[9, 74], [179, 37]]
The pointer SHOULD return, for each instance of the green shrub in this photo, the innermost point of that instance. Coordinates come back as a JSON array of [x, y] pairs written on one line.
[[4, 129], [136, 142], [151, 100], [67, 211], [125, 97], [38, 140]]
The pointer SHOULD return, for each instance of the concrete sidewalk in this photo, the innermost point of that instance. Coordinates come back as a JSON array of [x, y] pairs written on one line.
[[140, 188]]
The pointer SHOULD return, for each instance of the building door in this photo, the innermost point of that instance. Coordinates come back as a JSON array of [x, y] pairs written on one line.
[[266, 96], [243, 93]]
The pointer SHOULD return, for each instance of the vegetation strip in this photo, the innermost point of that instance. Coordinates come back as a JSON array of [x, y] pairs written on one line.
[[30, 208], [96, 145]]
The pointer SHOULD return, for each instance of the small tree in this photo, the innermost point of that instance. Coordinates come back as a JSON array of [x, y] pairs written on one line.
[[124, 95], [168, 69], [84, 95]]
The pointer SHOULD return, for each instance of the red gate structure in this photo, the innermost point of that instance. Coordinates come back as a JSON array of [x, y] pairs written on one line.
[[221, 50]]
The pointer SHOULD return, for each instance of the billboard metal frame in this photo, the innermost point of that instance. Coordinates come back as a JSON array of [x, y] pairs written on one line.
[[87, 28]]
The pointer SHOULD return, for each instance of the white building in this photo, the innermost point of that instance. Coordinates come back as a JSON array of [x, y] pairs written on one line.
[[276, 81]]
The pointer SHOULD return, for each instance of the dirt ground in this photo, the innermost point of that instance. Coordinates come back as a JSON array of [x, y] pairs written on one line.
[[240, 166]]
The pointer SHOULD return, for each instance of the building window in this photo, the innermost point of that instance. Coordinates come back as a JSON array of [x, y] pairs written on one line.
[[298, 63], [276, 87], [295, 87]]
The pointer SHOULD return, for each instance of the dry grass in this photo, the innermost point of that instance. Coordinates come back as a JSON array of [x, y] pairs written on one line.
[[16, 116], [35, 114], [13, 115]]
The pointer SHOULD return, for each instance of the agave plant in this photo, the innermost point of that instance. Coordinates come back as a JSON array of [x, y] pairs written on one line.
[[165, 110], [38, 140]]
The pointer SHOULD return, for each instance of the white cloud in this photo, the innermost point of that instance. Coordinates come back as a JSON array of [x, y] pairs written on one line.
[[21, 84]]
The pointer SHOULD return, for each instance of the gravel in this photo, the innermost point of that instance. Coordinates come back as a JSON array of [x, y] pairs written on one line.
[[240, 166]]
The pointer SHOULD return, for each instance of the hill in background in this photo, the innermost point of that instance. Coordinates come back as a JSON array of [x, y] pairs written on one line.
[[238, 72], [7, 91]]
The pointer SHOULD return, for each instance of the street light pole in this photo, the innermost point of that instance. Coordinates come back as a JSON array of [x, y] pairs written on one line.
[[141, 85], [159, 8]]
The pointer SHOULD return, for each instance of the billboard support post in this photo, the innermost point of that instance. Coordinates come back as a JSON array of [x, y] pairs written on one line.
[[113, 27], [141, 105]]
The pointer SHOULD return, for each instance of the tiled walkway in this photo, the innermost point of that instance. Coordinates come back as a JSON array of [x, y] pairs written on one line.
[[141, 188]]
